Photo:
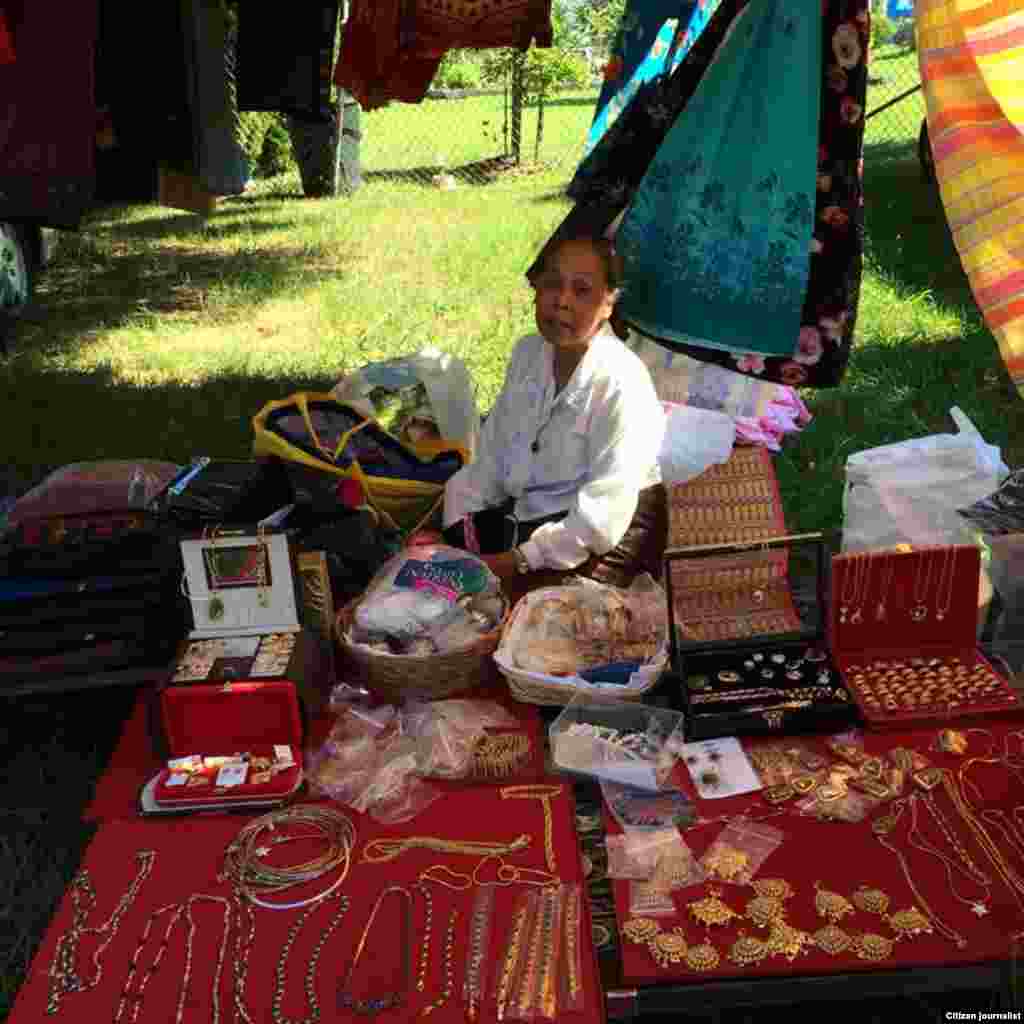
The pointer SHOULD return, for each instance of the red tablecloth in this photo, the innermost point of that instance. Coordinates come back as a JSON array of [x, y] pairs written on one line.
[[843, 857], [188, 856]]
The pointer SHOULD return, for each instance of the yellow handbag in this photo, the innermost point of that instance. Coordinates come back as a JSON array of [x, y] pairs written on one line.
[[316, 432]]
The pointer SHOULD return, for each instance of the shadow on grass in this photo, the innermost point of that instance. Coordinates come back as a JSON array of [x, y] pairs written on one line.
[[97, 284], [92, 415], [475, 173]]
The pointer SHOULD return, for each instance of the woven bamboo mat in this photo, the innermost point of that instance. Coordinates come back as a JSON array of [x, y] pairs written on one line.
[[732, 596]]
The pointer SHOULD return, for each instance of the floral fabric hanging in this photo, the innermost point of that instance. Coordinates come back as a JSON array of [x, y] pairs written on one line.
[[651, 42], [608, 178]]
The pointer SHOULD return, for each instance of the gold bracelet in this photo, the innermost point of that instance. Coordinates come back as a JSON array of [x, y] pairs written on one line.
[[512, 956], [543, 793]]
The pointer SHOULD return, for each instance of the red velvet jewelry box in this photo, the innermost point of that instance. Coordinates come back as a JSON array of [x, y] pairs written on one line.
[[225, 719], [903, 632]]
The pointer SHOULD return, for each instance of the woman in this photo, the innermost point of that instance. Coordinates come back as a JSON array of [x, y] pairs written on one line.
[[570, 449]]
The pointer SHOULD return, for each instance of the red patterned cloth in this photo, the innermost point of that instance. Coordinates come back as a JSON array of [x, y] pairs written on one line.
[[7, 55], [391, 49]]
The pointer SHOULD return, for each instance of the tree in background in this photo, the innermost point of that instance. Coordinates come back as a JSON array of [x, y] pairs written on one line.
[[538, 73]]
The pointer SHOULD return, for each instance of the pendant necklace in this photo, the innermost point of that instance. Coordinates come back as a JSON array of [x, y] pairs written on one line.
[[861, 593], [919, 612], [944, 585], [378, 1004], [890, 566]]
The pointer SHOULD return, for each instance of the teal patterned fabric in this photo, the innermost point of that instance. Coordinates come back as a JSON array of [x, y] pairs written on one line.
[[652, 40], [718, 236]]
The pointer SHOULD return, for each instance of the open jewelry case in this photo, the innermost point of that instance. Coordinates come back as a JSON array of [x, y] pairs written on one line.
[[747, 656], [902, 627]]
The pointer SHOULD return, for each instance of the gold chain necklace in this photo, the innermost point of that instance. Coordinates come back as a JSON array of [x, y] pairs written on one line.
[[922, 584], [882, 827], [378, 851], [544, 794], [883, 593], [944, 585]]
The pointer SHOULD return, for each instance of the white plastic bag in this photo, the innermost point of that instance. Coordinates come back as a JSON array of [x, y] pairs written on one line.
[[909, 492], [441, 378], [694, 440]]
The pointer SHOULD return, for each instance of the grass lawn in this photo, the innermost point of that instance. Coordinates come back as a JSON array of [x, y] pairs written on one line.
[[158, 334]]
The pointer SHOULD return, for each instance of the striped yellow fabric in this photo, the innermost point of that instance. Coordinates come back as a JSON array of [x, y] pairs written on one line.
[[972, 69]]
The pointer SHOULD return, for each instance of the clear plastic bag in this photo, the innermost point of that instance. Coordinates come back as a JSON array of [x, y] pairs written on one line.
[[649, 900], [429, 599], [635, 808], [740, 849]]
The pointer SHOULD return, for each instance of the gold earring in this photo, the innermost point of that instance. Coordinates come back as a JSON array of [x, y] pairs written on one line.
[[747, 950], [764, 910], [874, 901], [711, 910], [832, 939], [830, 905], [726, 862], [669, 947]]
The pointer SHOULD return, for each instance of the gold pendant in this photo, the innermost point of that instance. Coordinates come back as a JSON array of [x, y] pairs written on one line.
[[669, 947], [747, 950], [785, 940], [832, 940], [830, 905], [909, 922], [779, 794], [872, 947], [777, 887], [874, 901], [702, 958], [640, 929], [803, 784], [726, 862], [763, 910], [711, 910]]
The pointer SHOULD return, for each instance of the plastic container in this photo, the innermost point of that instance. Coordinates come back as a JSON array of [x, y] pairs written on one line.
[[620, 741]]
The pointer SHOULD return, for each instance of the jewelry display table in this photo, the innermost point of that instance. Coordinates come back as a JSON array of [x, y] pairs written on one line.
[[978, 918]]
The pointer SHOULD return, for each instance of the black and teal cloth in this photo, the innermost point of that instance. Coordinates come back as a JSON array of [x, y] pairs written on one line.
[[652, 175]]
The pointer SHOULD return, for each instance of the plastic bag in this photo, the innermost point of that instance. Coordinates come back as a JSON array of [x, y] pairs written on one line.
[[93, 487], [911, 491], [412, 393], [694, 440], [429, 599], [739, 851]]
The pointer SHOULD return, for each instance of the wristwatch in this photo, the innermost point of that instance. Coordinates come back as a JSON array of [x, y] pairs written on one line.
[[522, 565]]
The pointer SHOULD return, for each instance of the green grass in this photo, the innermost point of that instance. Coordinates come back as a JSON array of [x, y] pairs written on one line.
[[158, 334]]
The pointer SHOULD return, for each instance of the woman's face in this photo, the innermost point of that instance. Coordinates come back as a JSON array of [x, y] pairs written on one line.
[[572, 297]]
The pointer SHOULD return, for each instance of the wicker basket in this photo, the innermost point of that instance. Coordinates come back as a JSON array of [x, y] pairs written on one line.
[[551, 691], [397, 677]]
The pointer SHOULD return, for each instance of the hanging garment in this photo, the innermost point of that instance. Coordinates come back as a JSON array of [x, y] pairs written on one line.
[[47, 134], [7, 54], [478, 24], [971, 71], [608, 178], [151, 125], [718, 235], [284, 57], [651, 41], [220, 164], [391, 50]]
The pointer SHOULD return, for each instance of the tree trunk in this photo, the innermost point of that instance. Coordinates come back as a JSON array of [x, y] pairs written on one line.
[[517, 106], [540, 128]]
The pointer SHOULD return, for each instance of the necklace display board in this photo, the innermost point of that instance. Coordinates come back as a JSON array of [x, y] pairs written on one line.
[[745, 659], [181, 937], [833, 880], [902, 631]]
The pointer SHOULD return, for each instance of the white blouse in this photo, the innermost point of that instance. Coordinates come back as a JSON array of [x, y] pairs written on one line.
[[597, 445]]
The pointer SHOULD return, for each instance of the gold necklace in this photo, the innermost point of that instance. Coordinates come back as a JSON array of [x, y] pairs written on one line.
[[919, 611], [944, 586], [890, 566], [377, 851], [882, 827], [544, 794], [378, 1004]]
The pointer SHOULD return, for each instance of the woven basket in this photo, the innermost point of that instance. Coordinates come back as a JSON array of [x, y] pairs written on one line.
[[533, 688], [398, 676]]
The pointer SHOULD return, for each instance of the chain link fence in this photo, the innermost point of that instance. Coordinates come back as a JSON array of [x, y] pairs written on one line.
[[469, 136]]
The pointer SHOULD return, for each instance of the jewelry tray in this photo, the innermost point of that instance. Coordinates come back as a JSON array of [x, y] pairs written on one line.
[[903, 630], [733, 616]]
